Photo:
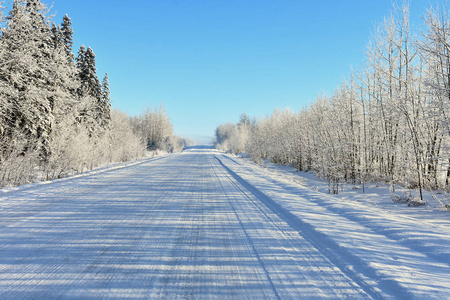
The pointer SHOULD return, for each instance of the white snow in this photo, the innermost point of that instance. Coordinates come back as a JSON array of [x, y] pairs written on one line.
[[202, 224]]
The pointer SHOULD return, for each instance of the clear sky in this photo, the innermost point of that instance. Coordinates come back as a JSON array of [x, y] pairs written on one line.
[[208, 61]]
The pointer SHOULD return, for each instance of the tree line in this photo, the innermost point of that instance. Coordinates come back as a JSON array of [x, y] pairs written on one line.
[[55, 113], [389, 121]]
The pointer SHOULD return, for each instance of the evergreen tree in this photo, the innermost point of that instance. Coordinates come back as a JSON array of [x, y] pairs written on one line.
[[94, 86], [89, 92], [63, 74], [56, 36], [80, 65], [105, 104], [26, 74], [106, 95], [67, 36], [89, 82]]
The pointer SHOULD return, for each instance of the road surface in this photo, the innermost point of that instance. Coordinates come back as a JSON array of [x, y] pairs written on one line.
[[196, 225]]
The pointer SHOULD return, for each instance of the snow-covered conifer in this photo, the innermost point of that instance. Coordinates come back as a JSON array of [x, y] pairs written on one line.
[[105, 104], [90, 84], [56, 36], [89, 91], [27, 39], [67, 36]]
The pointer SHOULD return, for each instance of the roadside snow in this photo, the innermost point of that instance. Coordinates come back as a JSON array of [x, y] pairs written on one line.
[[406, 248], [374, 193], [150, 156]]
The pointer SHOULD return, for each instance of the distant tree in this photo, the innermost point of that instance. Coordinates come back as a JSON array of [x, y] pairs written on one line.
[[104, 106], [155, 129]]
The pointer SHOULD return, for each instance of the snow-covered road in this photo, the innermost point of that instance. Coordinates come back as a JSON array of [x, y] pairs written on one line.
[[200, 224]]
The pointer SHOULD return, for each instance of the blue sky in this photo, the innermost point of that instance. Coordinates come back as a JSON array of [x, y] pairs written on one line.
[[209, 61]]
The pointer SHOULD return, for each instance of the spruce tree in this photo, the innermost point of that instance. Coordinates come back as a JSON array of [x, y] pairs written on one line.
[[90, 91], [105, 104], [93, 83], [106, 94], [87, 72], [63, 82], [80, 64], [67, 36], [56, 36], [26, 73]]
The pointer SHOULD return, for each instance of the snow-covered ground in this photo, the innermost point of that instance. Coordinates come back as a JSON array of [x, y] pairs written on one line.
[[150, 156], [202, 224]]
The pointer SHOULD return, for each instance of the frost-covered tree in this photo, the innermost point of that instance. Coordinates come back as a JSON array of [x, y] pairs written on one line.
[[56, 36], [55, 116], [435, 50], [26, 74], [104, 105], [156, 130], [67, 37], [89, 91], [5, 105], [389, 122], [124, 144], [87, 72], [233, 137], [81, 60]]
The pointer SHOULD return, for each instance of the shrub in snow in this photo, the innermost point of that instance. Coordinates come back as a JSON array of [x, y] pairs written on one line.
[[402, 199], [416, 202]]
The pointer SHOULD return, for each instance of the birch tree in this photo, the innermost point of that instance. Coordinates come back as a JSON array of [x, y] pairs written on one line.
[[435, 49]]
